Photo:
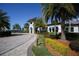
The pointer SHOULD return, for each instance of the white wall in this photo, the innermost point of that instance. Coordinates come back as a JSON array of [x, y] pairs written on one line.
[[53, 26], [76, 29]]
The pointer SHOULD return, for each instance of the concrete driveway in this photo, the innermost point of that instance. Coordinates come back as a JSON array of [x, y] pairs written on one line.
[[16, 45]]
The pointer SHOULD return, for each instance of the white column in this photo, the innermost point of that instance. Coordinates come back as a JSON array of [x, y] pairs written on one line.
[[29, 30], [31, 26], [69, 26], [32, 30]]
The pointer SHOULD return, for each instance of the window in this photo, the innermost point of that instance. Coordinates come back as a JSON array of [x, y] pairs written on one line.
[[72, 29], [56, 29], [52, 29], [66, 29]]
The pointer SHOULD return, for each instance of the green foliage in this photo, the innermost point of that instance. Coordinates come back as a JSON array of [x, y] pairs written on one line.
[[55, 22], [38, 22], [40, 51], [52, 33], [40, 40], [26, 27], [57, 11], [32, 20], [5, 33], [16, 26], [4, 20], [74, 45], [72, 36]]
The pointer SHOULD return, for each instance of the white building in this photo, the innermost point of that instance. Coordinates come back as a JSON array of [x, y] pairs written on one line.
[[73, 28], [53, 28]]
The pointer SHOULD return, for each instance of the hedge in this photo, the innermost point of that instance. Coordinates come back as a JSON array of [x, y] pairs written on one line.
[[5, 33], [72, 36]]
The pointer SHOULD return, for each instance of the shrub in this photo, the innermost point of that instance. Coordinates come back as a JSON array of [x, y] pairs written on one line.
[[40, 51], [57, 46], [53, 36], [5, 33], [40, 40], [72, 36], [74, 45]]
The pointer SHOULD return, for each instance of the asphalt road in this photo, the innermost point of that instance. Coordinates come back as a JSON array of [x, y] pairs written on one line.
[[16, 45]]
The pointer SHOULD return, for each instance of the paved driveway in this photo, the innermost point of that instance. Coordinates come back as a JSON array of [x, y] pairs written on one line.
[[16, 45]]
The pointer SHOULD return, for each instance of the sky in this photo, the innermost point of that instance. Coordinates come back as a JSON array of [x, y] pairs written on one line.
[[21, 13]]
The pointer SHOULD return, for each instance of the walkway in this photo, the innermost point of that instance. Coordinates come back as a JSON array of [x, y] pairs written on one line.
[[16, 45]]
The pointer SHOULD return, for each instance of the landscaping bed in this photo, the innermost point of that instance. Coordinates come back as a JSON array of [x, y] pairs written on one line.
[[58, 48], [74, 45], [39, 49], [53, 46]]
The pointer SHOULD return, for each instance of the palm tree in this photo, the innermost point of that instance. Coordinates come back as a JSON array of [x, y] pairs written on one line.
[[32, 20], [38, 22], [62, 12], [76, 5], [16, 27], [26, 27], [4, 21]]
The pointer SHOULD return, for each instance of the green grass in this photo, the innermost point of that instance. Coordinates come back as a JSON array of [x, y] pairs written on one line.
[[40, 51], [40, 40]]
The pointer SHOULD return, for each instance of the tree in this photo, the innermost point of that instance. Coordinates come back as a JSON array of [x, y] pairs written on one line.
[[26, 27], [38, 22], [32, 20], [76, 6], [62, 12], [4, 21], [16, 27]]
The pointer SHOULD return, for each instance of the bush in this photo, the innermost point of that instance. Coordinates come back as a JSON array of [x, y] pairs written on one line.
[[72, 36], [5, 33], [40, 51], [40, 40], [74, 45], [17, 31], [53, 36], [57, 46]]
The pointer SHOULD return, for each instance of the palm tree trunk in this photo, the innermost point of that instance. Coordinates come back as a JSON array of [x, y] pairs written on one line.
[[63, 37], [69, 25]]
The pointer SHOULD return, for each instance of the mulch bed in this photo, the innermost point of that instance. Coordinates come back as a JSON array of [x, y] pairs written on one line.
[[55, 53], [52, 51]]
